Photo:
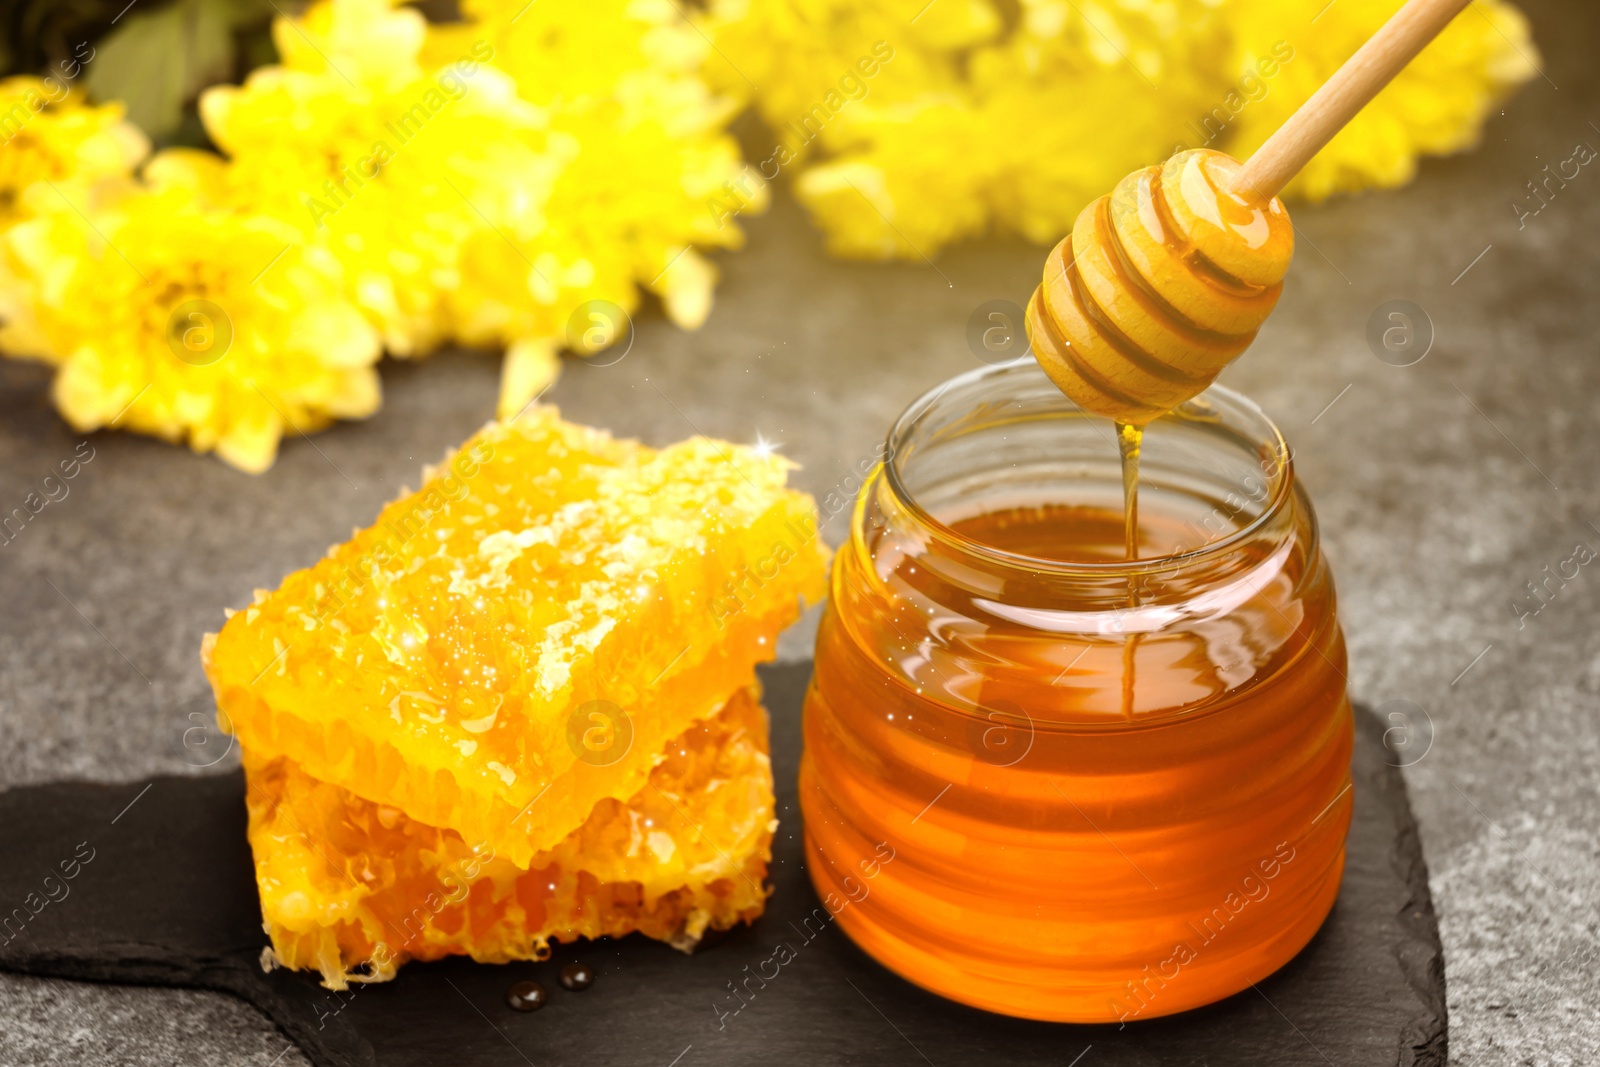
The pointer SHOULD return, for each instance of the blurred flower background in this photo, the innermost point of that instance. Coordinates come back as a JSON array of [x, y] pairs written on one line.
[[216, 216]]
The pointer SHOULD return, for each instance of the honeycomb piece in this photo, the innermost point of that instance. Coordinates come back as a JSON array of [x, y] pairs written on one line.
[[354, 889], [522, 637]]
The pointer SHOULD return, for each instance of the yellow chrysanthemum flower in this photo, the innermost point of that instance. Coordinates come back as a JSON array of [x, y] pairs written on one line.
[[390, 167], [48, 134], [649, 180], [1435, 106], [576, 48], [1026, 140], [174, 316], [1082, 94], [817, 60], [898, 195], [975, 127], [643, 187], [365, 42]]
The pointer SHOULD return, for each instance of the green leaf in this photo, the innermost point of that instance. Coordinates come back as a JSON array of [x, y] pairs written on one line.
[[157, 61]]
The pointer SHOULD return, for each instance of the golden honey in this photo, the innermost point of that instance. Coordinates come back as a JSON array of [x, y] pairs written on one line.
[[1115, 788]]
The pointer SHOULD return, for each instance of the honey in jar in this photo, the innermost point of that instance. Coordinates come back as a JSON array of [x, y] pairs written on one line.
[[1113, 788]]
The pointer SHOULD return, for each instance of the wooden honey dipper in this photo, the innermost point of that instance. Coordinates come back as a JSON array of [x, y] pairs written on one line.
[[1165, 281]]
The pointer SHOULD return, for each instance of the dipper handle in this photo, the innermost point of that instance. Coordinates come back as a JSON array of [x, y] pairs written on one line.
[[1355, 83]]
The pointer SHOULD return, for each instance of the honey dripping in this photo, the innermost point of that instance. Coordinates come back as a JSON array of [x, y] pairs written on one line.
[[1159, 286], [1130, 439]]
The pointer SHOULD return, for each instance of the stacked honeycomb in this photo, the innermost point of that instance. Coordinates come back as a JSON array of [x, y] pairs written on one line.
[[348, 883], [496, 688]]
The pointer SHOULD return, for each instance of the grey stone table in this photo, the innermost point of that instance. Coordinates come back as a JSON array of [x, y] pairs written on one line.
[[1444, 489]]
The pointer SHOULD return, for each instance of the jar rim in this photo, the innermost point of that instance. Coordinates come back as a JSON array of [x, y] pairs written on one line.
[[1223, 400]]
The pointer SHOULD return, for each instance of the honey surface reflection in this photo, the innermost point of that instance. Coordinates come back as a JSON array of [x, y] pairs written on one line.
[[1059, 853]]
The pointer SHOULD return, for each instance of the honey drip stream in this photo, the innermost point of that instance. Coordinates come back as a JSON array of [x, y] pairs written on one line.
[[1130, 439]]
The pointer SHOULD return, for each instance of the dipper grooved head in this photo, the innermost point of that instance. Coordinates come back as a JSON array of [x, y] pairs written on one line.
[[1159, 286]]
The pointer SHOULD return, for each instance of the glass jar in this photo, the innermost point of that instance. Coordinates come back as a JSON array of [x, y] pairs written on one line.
[[1045, 780]]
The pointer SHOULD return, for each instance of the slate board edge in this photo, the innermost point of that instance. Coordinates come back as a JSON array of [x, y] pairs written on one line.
[[1418, 950], [340, 1046]]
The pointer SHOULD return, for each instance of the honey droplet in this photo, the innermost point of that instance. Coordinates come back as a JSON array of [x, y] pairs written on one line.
[[527, 996], [577, 977]]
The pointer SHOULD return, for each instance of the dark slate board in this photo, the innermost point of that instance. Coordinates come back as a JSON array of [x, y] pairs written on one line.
[[168, 899]]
